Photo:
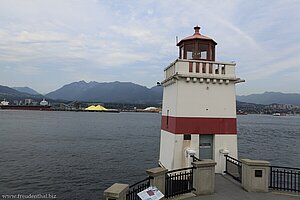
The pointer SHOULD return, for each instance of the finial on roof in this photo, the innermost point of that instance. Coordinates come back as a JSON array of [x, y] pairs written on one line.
[[197, 30]]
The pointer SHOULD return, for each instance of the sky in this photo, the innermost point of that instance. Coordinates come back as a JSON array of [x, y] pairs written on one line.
[[45, 44]]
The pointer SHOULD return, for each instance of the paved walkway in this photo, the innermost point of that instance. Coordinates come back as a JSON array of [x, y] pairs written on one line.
[[228, 189]]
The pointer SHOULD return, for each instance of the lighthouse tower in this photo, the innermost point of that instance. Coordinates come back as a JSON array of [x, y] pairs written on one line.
[[199, 106]]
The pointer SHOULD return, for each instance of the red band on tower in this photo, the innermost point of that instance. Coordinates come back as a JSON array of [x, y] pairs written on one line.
[[198, 125]]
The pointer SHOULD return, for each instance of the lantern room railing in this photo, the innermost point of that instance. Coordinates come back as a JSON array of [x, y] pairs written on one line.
[[201, 68]]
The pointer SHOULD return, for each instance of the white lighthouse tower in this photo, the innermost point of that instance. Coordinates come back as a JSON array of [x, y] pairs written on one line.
[[199, 106]]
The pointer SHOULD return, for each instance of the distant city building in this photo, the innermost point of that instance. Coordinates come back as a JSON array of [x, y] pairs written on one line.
[[28, 101]]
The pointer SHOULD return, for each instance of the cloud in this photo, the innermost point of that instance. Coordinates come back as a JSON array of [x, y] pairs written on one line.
[[40, 37], [104, 40]]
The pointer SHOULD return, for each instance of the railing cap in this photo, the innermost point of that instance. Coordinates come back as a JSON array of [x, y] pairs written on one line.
[[180, 169], [200, 61], [156, 171], [116, 190], [170, 65], [204, 163], [206, 61], [255, 162]]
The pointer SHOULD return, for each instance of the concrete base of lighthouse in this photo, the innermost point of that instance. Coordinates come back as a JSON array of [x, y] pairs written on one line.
[[173, 149]]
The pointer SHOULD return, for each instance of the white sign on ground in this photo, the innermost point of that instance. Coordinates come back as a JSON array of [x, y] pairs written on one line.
[[151, 193]]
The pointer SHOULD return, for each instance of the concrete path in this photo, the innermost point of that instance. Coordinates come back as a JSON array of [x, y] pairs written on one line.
[[228, 189]]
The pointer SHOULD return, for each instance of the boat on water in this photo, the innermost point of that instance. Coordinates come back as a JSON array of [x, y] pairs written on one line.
[[240, 112], [276, 114], [25, 107], [44, 105]]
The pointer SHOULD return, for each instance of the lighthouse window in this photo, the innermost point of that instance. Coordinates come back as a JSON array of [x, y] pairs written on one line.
[[187, 137], [189, 55], [203, 54], [189, 51], [203, 49]]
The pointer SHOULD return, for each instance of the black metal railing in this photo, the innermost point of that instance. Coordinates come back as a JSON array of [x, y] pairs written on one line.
[[136, 188], [195, 159], [233, 168], [284, 178], [178, 182]]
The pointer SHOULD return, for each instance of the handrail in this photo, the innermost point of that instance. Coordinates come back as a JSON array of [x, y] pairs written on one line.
[[181, 169], [293, 168], [131, 194], [234, 159], [195, 158], [237, 170], [146, 179], [178, 181]]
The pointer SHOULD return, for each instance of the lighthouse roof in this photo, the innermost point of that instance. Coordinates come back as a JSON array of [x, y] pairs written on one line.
[[196, 36]]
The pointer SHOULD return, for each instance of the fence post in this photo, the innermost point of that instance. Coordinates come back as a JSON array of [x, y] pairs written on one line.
[[223, 153], [204, 177], [157, 176], [116, 192], [255, 175]]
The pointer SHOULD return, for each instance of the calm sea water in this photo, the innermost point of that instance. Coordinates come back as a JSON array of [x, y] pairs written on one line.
[[76, 155]]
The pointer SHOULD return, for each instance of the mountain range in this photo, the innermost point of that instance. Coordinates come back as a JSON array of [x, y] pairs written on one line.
[[127, 92], [11, 94], [271, 98], [113, 92], [27, 90]]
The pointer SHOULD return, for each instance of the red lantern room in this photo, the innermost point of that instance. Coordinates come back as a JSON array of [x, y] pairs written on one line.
[[197, 47]]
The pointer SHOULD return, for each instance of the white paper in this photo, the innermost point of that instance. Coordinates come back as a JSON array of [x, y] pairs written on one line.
[[151, 193]]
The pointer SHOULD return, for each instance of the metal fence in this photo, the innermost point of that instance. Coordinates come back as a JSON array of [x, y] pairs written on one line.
[[233, 168], [195, 159], [136, 188], [284, 178], [178, 182]]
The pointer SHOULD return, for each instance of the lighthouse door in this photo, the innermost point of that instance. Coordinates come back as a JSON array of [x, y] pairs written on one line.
[[206, 146]]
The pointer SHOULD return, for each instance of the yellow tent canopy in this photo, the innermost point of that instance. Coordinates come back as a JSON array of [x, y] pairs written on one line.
[[95, 108]]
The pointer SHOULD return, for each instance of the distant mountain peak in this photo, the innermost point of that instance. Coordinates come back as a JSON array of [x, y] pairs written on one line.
[[107, 92], [267, 92], [11, 94], [271, 98], [27, 90]]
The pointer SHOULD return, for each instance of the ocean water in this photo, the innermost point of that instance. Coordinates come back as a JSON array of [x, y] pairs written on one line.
[[77, 155], [272, 138]]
